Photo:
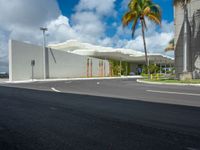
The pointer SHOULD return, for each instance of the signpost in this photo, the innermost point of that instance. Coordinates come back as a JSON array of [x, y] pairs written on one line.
[[32, 65]]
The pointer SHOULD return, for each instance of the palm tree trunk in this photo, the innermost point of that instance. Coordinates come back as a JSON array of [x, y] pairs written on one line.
[[145, 48], [185, 40]]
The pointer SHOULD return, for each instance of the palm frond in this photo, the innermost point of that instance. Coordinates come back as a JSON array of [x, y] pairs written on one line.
[[132, 4], [155, 8], [147, 10], [128, 17], [154, 18], [135, 22], [138, 10], [155, 13], [172, 41], [170, 46]]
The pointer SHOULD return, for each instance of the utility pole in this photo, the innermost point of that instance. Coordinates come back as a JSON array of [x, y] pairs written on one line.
[[185, 40], [120, 64], [160, 67], [43, 29]]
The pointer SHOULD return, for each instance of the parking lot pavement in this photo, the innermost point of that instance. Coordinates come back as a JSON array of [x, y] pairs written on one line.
[[122, 88], [48, 116], [44, 120]]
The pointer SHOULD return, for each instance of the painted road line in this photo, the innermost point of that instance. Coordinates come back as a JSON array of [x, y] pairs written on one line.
[[168, 92], [55, 90]]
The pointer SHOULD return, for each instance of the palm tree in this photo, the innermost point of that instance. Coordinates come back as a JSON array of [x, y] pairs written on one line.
[[183, 4], [138, 11], [170, 46]]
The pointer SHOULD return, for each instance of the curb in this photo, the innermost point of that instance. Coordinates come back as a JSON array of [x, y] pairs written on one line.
[[75, 79], [161, 83]]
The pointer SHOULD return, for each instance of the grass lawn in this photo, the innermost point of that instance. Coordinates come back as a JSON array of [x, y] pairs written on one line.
[[196, 81]]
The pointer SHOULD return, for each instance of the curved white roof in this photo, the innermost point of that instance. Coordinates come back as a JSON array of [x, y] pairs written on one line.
[[74, 46]]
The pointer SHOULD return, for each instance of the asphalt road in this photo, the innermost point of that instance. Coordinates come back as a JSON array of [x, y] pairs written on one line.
[[99, 115]]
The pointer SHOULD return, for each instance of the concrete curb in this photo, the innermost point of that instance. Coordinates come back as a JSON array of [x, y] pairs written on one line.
[[74, 79], [161, 83]]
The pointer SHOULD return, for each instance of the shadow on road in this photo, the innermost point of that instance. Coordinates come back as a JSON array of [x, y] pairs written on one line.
[[31, 119]]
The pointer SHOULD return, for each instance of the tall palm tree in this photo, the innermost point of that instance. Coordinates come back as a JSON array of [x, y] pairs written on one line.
[[183, 4], [170, 46], [138, 11]]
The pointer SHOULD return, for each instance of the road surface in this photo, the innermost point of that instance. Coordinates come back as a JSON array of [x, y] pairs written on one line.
[[99, 115]]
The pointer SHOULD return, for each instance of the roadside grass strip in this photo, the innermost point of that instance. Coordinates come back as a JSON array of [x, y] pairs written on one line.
[[169, 92]]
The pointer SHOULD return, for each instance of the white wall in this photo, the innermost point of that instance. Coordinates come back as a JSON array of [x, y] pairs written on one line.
[[59, 64], [20, 56]]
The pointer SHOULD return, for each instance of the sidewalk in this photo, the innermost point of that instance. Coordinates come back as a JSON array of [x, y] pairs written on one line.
[[3, 80], [74, 79], [162, 83]]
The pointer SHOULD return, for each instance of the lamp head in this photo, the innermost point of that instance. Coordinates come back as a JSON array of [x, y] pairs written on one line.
[[43, 29]]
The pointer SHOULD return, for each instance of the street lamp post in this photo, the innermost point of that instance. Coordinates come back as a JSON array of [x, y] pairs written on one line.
[[160, 67], [120, 64], [44, 50], [185, 39]]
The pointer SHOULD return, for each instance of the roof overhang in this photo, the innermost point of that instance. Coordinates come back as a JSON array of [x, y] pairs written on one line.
[[127, 55]]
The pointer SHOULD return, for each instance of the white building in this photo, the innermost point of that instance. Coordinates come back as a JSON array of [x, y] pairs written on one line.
[[27, 61], [72, 59], [135, 58]]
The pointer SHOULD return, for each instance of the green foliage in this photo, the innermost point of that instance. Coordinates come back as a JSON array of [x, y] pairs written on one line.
[[152, 68], [163, 80], [138, 10], [115, 67]]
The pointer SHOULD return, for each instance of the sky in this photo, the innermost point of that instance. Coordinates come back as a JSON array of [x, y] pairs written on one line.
[[93, 21]]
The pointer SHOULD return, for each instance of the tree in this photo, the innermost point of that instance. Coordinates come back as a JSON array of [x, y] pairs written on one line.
[[152, 69], [183, 4], [170, 46], [138, 11]]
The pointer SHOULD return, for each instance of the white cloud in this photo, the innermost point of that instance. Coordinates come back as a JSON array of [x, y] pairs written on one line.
[[59, 30], [3, 51], [88, 19], [123, 31], [90, 29], [86, 24], [21, 19], [3, 39], [27, 13], [103, 7], [156, 39]]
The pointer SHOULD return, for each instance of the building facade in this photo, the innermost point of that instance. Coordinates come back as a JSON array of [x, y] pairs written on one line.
[[26, 62], [126, 60], [193, 38]]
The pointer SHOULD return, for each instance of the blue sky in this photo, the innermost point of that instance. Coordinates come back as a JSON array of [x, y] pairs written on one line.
[[93, 21], [68, 8]]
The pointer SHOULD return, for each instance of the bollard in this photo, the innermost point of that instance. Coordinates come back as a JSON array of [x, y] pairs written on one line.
[[151, 76], [157, 76]]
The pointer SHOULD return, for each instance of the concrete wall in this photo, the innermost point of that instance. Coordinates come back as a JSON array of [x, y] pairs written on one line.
[[20, 56], [193, 38], [59, 64]]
